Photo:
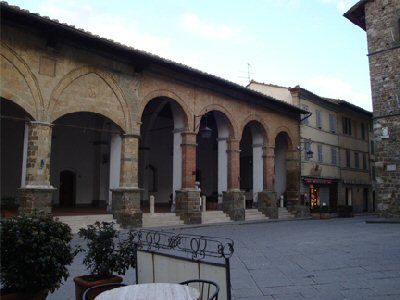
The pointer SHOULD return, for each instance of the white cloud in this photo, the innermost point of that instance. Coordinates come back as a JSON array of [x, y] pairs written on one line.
[[98, 22], [341, 5], [192, 23], [336, 88]]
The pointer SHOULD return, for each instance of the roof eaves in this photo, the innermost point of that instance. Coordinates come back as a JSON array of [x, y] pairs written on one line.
[[356, 14]]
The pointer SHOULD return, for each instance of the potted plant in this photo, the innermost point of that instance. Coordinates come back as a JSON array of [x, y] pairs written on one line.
[[35, 250], [105, 256], [9, 207]]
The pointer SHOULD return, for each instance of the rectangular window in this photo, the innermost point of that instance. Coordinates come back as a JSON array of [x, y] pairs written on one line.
[[318, 118], [332, 123], [348, 158], [363, 131], [356, 160], [334, 156], [305, 121], [320, 157], [346, 125], [307, 148], [365, 161]]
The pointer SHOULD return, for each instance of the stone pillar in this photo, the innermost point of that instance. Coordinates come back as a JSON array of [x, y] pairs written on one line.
[[36, 194], [292, 178], [126, 198], [267, 198], [188, 198], [233, 197], [177, 166], [222, 169], [258, 172]]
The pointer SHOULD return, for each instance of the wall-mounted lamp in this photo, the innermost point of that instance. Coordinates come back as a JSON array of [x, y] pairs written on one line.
[[205, 131], [309, 153]]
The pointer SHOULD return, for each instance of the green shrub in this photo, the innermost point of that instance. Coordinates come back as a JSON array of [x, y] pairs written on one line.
[[105, 255], [35, 250]]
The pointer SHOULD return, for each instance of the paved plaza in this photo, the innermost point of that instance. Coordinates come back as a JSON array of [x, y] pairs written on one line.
[[311, 259]]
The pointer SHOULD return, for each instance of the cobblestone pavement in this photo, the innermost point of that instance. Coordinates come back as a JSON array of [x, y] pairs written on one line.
[[313, 259]]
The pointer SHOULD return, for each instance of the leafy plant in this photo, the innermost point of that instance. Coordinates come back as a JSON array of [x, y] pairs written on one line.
[[105, 255], [35, 250]]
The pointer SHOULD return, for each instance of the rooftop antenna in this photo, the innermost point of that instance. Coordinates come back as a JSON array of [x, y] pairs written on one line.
[[249, 73]]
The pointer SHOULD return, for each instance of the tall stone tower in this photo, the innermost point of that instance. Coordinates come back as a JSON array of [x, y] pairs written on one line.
[[381, 21]]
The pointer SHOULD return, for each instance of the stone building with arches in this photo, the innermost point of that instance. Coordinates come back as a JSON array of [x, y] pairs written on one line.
[[89, 122]]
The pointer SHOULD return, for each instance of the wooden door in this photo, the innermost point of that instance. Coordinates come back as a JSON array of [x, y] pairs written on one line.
[[67, 189]]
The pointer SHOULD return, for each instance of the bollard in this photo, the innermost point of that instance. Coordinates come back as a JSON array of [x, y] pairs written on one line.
[[151, 204], [203, 203], [244, 201]]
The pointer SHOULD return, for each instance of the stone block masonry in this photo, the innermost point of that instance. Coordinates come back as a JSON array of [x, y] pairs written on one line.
[[382, 18]]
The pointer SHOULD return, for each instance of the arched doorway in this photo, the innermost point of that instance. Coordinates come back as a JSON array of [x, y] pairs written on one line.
[[281, 148], [83, 156], [13, 141], [211, 157], [160, 154], [251, 162]]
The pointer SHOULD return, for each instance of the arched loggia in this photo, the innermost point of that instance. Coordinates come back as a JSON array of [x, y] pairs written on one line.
[[160, 153], [84, 161], [251, 162], [13, 141], [212, 160]]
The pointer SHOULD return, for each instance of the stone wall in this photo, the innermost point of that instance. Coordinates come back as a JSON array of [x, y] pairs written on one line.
[[383, 33]]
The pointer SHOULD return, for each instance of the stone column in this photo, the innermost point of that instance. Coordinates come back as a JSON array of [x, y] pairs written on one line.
[[222, 169], [267, 198], [258, 172], [126, 198], [233, 197], [188, 198], [292, 178], [36, 194]]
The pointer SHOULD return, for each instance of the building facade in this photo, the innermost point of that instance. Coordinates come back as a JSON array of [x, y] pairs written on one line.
[[335, 150], [89, 122], [381, 21]]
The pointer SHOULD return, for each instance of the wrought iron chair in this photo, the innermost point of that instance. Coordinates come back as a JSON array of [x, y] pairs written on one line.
[[208, 289], [94, 291]]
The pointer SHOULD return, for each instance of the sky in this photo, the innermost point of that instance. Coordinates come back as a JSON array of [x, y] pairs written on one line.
[[283, 42]]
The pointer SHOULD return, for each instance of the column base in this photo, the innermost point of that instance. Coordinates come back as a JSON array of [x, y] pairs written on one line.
[[267, 204], [188, 206], [233, 204], [293, 198], [126, 207], [299, 211], [35, 198]]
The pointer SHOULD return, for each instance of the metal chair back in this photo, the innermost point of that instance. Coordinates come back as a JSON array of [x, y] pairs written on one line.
[[208, 289]]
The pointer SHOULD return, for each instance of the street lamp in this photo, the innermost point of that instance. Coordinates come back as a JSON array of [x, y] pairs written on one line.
[[309, 153]]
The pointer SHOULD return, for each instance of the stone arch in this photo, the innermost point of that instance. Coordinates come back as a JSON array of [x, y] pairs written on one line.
[[164, 93], [263, 126], [116, 110], [21, 71], [290, 139], [232, 125]]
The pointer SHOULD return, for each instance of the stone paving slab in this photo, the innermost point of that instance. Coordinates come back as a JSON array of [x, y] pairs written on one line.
[[309, 259]]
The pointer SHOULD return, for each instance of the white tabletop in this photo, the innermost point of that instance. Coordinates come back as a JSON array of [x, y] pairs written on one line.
[[151, 291]]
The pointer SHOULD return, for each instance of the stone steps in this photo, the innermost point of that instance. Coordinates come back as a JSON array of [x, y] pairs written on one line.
[[283, 213], [82, 221], [161, 220], [214, 216], [253, 214]]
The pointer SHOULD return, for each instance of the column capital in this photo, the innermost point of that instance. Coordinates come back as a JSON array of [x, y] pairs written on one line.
[[130, 135], [40, 123]]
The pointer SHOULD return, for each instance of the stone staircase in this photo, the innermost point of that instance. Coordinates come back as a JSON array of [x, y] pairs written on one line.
[[161, 220], [82, 221], [283, 213], [214, 216], [253, 214]]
